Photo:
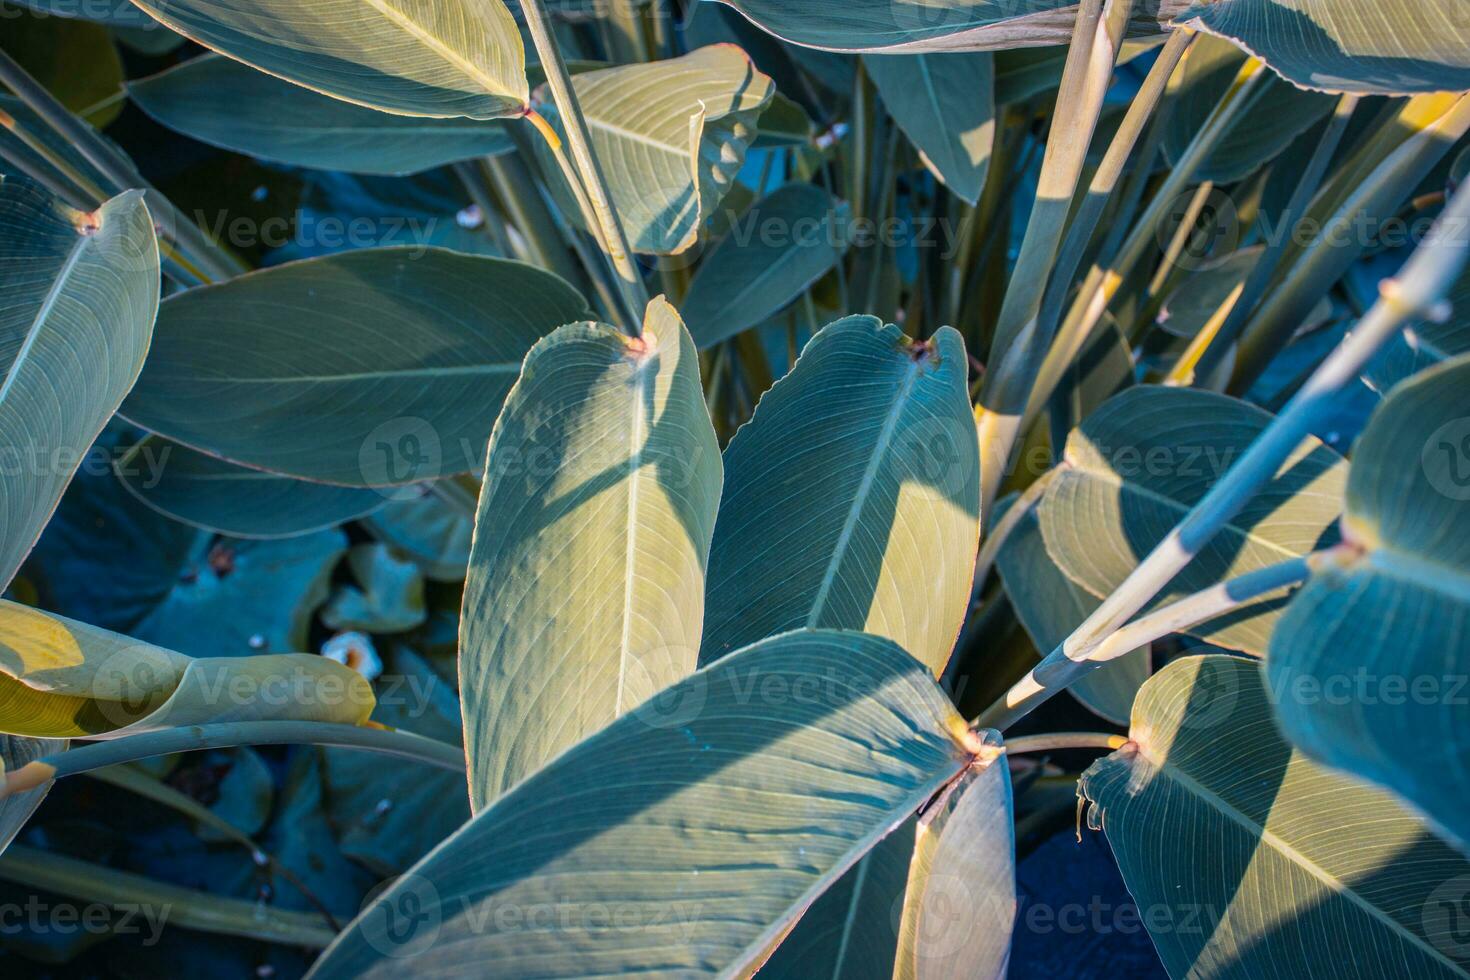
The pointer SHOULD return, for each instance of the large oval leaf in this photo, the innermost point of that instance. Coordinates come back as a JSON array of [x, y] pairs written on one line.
[[78, 296], [853, 490], [1383, 47], [783, 244], [64, 679], [233, 106], [933, 25], [17, 808], [416, 57], [1370, 661], [706, 820], [945, 104], [217, 496], [1253, 861], [1138, 465], [671, 137], [585, 594], [370, 368]]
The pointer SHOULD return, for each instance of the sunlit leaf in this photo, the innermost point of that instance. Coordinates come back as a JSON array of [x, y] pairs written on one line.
[[771, 254], [1252, 861], [416, 57], [586, 581], [945, 103], [1369, 663], [1138, 465], [852, 497], [710, 818], [370, 368], [78, 295], [230, 105]]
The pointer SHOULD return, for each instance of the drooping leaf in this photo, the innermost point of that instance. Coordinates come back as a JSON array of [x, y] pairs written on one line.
[[1423, 344], [78, 296], [241, 597], [388, 596], [1383, 47], [853, 490], [1370, 660], [671, 136], [415, 57], [933, 25], [232, 106], [214, 495], [370, 368], [1254, 861], [945, 104], [960, 905], [711, 816], [1050, 606], [17, 808], [1137, 466], [771, 254], [1278, 113], [64, 679], [587, 575]]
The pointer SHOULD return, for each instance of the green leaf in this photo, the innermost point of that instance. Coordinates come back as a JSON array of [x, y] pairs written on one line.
[[232, 106], [587, 576], [671, 137], [370, 368], [1369, 662], [1382, 47], [960, 906], [214, 495], [64, 679], [1424, 343], [1050, 606], [1253, 861], [389, 597], [243, 597], [704, 823], [434, 533], [854, 491], [1139, 464], [1278, 113], [770, 256], [945, 104], [78, 295], [17, 808], [414, 57], [933, 25]]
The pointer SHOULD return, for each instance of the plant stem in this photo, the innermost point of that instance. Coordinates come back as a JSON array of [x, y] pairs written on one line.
[[95, 755], [594, 183], [1417, 294], [1065, 740]]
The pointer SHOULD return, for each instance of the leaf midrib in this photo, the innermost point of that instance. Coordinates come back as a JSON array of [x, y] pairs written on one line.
[[637, 437], [452, 57], [43, 314], [1330, 881]]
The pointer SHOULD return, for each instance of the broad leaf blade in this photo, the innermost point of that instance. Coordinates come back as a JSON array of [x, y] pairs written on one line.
[[1254, 861], [713, 816], [853, 491], [233, 106], [78, 296], [1371, 657], [1377, 47], [217, 496], [770, 256], [1138, 465], [671, 137], [945, 103], [371, 368], [415, 57], [586, 581]]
